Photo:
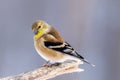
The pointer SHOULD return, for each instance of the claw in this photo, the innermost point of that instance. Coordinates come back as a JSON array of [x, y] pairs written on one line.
[[46, 64], [56, 64]]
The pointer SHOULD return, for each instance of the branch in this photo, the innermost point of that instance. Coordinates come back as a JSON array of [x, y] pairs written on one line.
[[44, 73]]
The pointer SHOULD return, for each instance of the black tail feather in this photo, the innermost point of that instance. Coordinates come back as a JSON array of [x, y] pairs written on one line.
[[86, 61]]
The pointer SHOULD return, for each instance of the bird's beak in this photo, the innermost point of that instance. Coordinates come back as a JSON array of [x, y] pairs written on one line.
[[35, 31]]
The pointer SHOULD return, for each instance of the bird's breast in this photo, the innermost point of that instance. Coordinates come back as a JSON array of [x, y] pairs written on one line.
[[46, 53]]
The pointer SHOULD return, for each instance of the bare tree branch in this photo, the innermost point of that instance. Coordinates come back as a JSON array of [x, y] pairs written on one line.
[[44, 73]]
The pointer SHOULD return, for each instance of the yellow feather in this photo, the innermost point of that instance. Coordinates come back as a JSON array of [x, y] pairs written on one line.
[[39, 34]]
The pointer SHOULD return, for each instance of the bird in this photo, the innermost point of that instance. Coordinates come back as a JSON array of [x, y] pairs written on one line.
[[51, 46]]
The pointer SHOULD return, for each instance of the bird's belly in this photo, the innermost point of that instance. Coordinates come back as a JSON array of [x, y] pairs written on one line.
[[50, 55], [43, 55]]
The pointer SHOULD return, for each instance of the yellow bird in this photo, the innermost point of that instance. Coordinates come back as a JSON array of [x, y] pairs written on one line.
[[51, 46]]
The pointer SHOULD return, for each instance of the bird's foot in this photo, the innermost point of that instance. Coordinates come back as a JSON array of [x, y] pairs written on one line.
[[56, 64], [46, 64], [50, 65]]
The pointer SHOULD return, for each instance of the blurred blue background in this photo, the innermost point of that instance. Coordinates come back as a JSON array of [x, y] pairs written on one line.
[[92, 27]]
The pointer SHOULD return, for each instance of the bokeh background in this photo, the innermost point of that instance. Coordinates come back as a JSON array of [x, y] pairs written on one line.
[[92, 27]]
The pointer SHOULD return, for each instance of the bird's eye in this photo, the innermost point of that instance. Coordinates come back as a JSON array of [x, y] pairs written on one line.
[[39, 27]]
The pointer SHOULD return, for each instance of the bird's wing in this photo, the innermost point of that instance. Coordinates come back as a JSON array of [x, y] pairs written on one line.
[[63, 48], [66, 49]]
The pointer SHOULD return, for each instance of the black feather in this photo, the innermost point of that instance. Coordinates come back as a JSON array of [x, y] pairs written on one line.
[[67, 49], [47, 44]]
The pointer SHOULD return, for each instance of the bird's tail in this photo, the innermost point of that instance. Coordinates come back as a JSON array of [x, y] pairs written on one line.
[[86, 61], [83, 59]]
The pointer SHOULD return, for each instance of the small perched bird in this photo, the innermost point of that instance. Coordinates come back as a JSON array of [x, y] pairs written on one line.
[[51, 46]]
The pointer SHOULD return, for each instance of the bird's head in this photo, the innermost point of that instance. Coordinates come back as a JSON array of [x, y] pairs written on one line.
[[40, 28]]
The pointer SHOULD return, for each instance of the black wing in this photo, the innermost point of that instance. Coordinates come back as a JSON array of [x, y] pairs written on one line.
[[63, 47]]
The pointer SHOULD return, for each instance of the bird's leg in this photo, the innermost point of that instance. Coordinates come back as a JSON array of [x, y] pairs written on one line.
[[50, 65], [46, 64], [56, 64]]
